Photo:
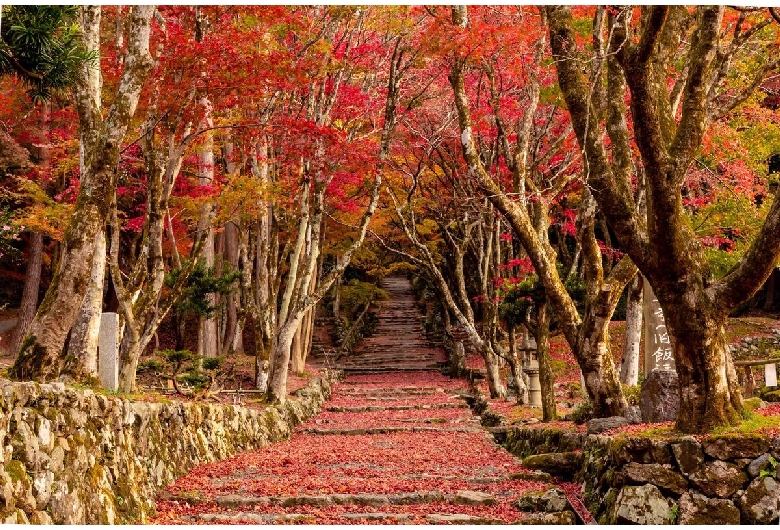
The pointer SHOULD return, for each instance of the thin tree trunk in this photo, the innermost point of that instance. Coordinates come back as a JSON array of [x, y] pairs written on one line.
[[233, 338], [546, 375], [629, 368], [208, 332], [32, 284], [296, 354]]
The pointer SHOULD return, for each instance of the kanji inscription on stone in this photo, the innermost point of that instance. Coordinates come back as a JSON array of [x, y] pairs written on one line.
[[658, 343]]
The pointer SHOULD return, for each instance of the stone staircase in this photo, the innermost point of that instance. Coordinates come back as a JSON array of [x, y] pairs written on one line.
[[399, 342], [392, 448]]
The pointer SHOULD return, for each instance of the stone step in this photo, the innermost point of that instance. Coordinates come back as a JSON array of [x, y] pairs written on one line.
[[388, 518], [264, 518], [384, 430], [256, 518], [465, 497], [377, 408], [375, 392], [344, 422], [385, 369], [400, 398], [457, 518]]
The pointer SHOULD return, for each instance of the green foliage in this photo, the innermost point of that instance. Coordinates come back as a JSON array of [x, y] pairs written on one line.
[[752, 423], [150, 366], [558, 367], [583, 412], [184, 366], [772, 471], [202, 282], [355, 295], [9, 235], [41, 45], [674, 512], [632, 394], [517, 299]]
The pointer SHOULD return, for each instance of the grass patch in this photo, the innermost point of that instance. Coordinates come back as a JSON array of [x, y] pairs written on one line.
[[753, 423]]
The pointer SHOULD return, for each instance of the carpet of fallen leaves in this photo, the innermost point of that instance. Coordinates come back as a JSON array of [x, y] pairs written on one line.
[[398, 462]]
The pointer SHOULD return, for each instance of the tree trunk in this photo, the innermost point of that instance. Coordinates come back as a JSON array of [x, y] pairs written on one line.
[[130, 350], [495, 385], [82, 361], [546, 375], [280, 360], [664, 247], [516, 368], [32, 284], [629, 368], [771, 287], [40, 356], [208, 332], [233, 338], [709, 390], [296, 354]]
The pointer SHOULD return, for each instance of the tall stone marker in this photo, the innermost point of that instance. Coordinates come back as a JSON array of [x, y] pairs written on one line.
[[658, 344], [108, 351]]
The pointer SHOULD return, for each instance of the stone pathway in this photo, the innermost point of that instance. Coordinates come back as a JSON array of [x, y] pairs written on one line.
[[399, 342], [398, 445]]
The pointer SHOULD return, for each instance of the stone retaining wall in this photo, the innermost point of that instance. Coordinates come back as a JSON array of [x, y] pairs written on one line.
[[755, 345], [728, 479], [76, 457]]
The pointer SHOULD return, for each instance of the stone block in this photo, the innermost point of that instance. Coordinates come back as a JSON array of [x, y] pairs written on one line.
[[689, 454], [655, 474], [758, 465], [551, 518], [599, 425], [659, 399], [718, 479], [698, 509], [474, 498], [730, 447], [558, 464], [641, 505], [760, 502]]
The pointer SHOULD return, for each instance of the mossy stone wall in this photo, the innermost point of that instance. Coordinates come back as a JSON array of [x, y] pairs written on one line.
[[76, 457]]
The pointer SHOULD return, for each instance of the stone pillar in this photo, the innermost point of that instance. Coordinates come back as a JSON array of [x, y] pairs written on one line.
[[108, 351], [658, 344]]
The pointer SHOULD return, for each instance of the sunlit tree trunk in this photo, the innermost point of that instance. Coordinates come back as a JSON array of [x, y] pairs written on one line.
[[82, 360], [208, 333], [40, 355], [629, 367]]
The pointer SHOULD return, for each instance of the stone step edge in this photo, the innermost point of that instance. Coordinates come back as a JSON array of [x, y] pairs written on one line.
[[433, 518], [377, 408], [385, 430], [465, 498], [382, 370]]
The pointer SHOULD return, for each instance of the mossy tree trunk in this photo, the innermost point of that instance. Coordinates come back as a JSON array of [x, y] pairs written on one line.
[[669, 126], [546, 375], [41, 352]]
